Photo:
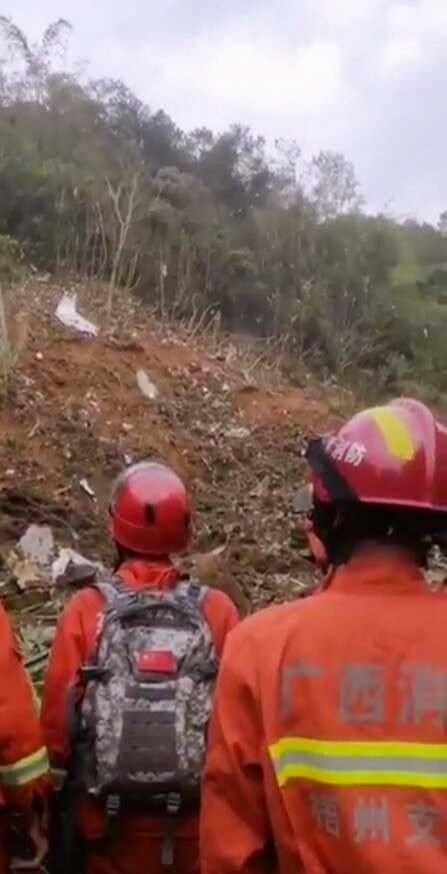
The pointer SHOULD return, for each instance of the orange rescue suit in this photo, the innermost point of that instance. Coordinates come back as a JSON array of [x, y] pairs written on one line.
[[23, 757], [136, 846], [328, 750]]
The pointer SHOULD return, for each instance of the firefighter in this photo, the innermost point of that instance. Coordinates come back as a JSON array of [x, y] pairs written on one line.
[[150, 521], [335, 757], [23, 759]]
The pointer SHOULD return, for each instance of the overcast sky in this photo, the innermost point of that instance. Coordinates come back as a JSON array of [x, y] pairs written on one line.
[[367, 77]]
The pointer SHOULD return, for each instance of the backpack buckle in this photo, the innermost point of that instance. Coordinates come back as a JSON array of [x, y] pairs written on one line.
[[173, 803], [95, 673]]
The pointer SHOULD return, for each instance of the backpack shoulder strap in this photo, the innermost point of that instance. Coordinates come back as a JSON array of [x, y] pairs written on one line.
[[193, 591], [119, 599]]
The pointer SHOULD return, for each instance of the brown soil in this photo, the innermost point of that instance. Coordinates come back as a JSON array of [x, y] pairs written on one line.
[[74, 410]]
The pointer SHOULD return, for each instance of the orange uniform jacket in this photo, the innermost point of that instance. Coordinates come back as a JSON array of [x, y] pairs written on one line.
[[328, 751], [74, 646], [23, 757]]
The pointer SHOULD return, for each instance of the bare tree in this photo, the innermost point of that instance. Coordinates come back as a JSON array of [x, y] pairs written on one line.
[[37, 58], [331, 185], [125, 202]]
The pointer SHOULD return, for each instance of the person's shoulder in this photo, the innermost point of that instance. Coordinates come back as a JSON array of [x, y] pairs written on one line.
[[4, 615], [218, 599], [89, 597], [258, 628]]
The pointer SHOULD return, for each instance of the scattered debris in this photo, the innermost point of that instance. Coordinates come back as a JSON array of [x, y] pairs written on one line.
[[67, 313], [146, 386], [70, 568], [86, 487], [77, 416], [237, 433], [37, 544], [34, 430], [23, 571]]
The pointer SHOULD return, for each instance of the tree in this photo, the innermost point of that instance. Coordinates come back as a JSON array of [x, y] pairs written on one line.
[[234, 166], [286, 163], [442, 223], [37, 58], [211, 225], [332, 185]]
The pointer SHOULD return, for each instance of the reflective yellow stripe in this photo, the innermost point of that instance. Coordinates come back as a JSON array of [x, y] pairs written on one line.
[[395, 432], [358, 748], [29, 768], [355, 763]]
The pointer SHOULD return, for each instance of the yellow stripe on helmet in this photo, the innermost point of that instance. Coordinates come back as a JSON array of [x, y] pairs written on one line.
[[395, 433]]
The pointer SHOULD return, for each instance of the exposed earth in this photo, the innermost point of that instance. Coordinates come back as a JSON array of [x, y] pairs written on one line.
[[73, 415]]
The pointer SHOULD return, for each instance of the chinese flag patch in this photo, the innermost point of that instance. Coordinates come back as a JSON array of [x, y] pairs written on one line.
[[157, 662]]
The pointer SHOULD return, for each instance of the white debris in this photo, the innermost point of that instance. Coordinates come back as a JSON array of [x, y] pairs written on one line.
[[25, 572], [34, 430], [69, 556], [67, 314], [39, 356], [86, 487], [37, 544], [146, 386], [36, 559], [237, 433]]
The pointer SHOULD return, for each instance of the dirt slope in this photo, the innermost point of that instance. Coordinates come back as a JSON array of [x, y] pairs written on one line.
[[74, 411]]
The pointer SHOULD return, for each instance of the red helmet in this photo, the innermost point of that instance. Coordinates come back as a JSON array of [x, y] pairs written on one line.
[[150, 510], [394, 454]]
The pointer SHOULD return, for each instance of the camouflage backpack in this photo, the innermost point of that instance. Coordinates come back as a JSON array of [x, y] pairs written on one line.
[[147, 698]]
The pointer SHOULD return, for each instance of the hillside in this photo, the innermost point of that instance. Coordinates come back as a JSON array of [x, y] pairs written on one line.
[[249, 234], [74, 415]]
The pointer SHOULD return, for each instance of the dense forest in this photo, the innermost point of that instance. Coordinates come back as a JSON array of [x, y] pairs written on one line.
[[222, 227]]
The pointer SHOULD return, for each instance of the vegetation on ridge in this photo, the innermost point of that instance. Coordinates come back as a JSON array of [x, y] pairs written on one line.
[[214, 225]]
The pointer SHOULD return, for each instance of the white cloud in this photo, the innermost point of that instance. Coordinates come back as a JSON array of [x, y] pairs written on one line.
[[367, 77], [400, 56], [425, 20], [345, 13], [304, 81], [235, 78], [414, 34]]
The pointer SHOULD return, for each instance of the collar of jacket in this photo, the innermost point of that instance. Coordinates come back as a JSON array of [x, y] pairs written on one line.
[[140, 574], [384, 571]]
